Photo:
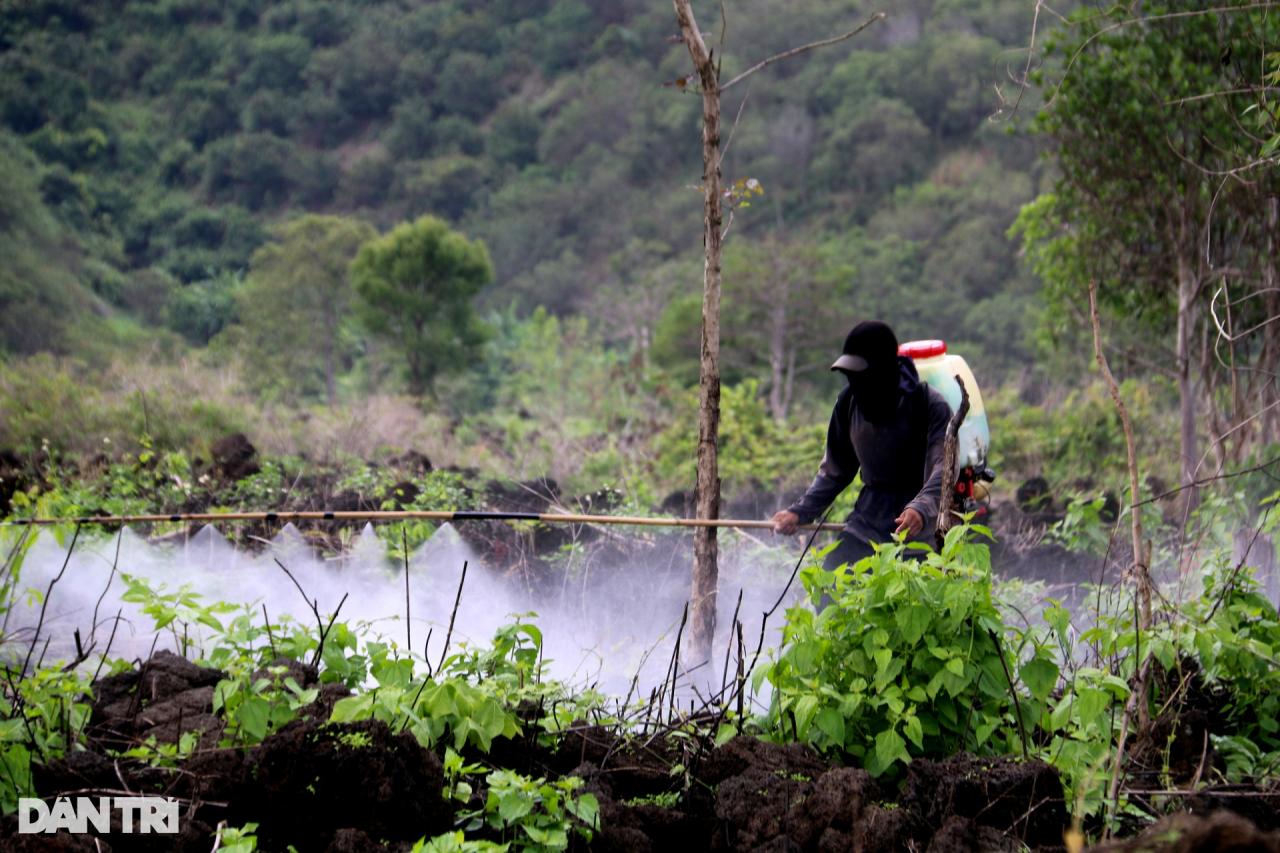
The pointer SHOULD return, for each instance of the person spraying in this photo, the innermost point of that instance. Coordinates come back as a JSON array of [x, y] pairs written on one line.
[[889, 425]]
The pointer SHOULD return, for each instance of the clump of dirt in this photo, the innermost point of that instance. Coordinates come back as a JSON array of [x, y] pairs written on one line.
[[1022, 800], [1262, 807], [1219, 832], [234, 457], [631, 768], [747, 754], [1178, 745], [787, 797], [165, 697], [308, 781]]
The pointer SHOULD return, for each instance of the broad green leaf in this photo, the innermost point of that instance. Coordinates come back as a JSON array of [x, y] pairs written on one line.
[[912, 729], [831, 723], [1040, 676], [805, 710], [252, 715], [352, 708], [912, 622], [890, 747]]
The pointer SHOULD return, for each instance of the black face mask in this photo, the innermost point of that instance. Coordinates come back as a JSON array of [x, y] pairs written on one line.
[[872, 346], [875, 390]]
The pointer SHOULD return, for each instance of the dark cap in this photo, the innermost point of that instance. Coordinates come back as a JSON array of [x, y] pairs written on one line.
[[869, 344]]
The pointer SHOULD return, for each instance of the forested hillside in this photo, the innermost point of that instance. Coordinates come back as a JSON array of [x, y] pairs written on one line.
[[187, 182], [171, 136]]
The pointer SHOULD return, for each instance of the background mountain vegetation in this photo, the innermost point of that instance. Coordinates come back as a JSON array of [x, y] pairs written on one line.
[[185, 183]]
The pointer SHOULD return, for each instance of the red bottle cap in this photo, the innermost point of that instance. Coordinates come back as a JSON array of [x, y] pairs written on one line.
[[922, 349]]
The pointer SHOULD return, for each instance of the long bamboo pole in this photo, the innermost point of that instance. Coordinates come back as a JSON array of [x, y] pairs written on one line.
[[410, 515]]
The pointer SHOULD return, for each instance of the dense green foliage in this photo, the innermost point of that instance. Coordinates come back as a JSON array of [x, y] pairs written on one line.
[[417, 283], [167, 139], [469, 229], [910, 658], [1154, 111], [902, 658], [905, 661], [292, 330]]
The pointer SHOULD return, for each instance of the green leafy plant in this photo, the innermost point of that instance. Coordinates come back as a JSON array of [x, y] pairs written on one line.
[[255, 707], [905, 661], [428, 708], [41, 719], [179, 612], [456, 842], [533, 814], [456, 771], [1082, 527], [663, 800], [512, 668], [237, 839], [164, 754]]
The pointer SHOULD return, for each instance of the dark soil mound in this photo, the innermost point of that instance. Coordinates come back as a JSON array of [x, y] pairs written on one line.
[[1262, 807], [1021, 799], [771, 796], [365, 786], [1220, 832], [235, 457], [166, 696], [309, 781]]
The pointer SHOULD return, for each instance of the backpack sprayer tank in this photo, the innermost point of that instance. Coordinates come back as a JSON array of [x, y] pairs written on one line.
[[937, 367]]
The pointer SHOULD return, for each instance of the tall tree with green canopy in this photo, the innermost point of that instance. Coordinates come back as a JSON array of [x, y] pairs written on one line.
[[296, 301], [1155, 200], [416, 284]]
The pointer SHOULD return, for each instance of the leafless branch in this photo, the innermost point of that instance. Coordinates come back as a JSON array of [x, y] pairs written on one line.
[[1223, 333], [1026, 71], [1247, 90], [314, 604], [1141, 577], [804, 48], [724, 152], [44, 604], [457, 599]]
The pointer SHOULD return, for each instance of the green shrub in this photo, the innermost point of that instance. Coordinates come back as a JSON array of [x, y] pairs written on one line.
[[907, 660]]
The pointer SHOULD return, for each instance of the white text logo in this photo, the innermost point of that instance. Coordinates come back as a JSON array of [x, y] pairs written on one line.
[[137, 814]]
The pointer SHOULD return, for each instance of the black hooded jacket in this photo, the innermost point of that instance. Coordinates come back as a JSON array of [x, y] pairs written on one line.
[[900, 458]]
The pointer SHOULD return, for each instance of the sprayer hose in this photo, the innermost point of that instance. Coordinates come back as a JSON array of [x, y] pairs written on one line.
[[413, 515]]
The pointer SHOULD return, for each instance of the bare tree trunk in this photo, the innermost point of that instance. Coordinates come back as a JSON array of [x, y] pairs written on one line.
[[1141, 575], [331, 324], [1270, 427], [702, 624], [790, 385], [778, 348], [1139, 571], [707, 492], [1186, 385]]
